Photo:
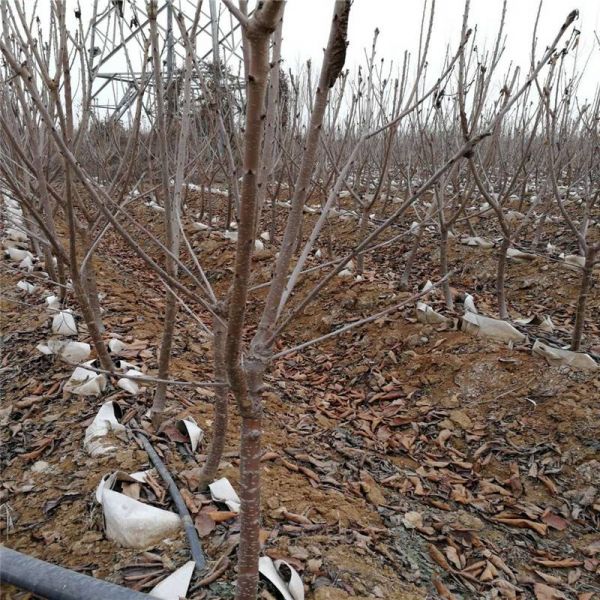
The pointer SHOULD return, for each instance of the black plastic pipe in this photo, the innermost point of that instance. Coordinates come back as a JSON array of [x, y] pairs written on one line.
[[184, 513], [57, 583]]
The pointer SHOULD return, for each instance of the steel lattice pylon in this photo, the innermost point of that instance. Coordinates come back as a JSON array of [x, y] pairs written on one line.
[[119, 30]]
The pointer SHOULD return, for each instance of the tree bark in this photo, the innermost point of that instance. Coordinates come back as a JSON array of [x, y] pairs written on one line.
[[219, 428], [586, 283], [500, 279]]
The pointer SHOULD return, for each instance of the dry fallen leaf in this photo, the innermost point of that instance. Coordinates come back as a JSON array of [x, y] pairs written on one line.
[[371, 489], [452, 556], [412, 519], [523, 524], [438, 557], [204, 524], [441, 589], [563, 563], [218, 516], [545, 592]]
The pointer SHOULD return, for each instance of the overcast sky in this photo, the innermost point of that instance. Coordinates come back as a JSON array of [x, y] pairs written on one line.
[[306, 25]]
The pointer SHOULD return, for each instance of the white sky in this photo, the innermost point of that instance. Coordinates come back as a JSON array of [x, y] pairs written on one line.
[[306, 25]]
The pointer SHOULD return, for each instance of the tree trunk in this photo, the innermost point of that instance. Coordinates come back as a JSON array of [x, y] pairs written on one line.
[[219, 428], [586, 282], [90, 321], [500, 278], [362, 232], [411, 259], [249, 549], [444, 267], [88, 280], [164, 359]]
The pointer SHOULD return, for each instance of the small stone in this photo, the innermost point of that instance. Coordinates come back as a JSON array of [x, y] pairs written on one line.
[[41, 466]]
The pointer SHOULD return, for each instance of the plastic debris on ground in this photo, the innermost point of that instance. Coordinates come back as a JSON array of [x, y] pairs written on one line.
[[84, 382], [560, 356], [487, 327], [95, 441], [132, 523], [290, 589], [222, 491]]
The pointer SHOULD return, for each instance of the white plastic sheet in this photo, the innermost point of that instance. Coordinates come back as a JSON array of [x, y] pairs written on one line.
[[132, 523], [84, 382], [26, 287], [426, 314], [290, 589], [18, 254], [95, 442], [52, 304], [487, 327], [63, 323], [469, 304], [518, 256], [129, 385], [222, 491], [71, 352], [560, 356], [116, 346], [190, 427], [476, 241], [176, 585]]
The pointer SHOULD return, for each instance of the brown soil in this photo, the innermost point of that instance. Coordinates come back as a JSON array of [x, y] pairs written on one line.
[[491, 452]]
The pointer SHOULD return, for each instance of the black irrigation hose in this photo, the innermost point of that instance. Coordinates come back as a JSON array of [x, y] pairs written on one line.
[[188, 524], [57, 583]]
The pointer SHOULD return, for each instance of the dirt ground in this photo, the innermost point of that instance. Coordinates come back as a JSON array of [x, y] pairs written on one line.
[[402, 460]]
